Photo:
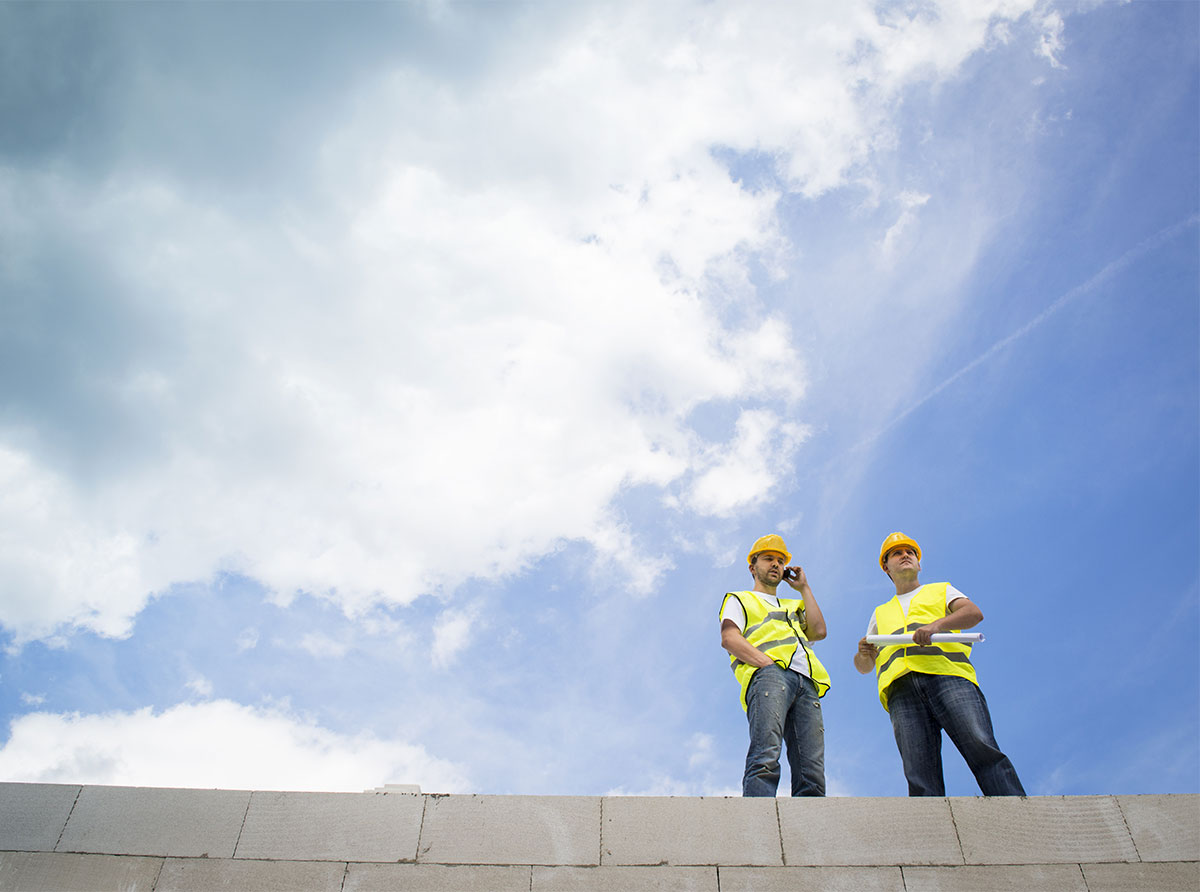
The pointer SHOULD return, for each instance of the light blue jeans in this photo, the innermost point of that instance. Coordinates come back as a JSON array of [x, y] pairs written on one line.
[[921, 706], [783, 708]]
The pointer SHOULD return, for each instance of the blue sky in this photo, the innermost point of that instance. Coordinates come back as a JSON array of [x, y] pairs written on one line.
[[390, 392]]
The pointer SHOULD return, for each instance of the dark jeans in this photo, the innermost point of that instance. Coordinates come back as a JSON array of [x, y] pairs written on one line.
[[921, 706], [783, 707]]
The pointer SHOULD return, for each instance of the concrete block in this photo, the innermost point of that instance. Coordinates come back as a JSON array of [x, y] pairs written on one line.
[[1042, 830], [32, 816], [868, 831], [511, 830], [672, 830], [332, 827], [1007, 878], [1164, 828], [1177, 877], [54, 872], [155, 821], [435, 878], [811, 879], [624, 879], [205, 874]]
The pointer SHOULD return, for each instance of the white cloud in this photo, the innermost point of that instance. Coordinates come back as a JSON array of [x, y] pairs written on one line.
[[900, 234], [57, 565], [451, 635], [702, 755], [320, 645], [1051, 43], [215, 744], [747, 469], [201, 687], [667, 785], [493, 309], [706, 776]]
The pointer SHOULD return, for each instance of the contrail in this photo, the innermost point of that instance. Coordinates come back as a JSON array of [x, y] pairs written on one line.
[[1129, 257]]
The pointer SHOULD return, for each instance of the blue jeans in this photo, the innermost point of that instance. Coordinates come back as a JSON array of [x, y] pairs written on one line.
[[783, 707], [921, 706]]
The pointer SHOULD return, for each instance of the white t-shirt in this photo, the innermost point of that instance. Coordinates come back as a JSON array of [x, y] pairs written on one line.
[[736, 613], [951, 595]]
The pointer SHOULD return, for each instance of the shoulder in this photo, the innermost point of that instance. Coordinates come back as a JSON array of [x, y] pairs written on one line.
[[872, 623], [735, 601], [940, 590], [884, 604], [939, 587], [953, 594]]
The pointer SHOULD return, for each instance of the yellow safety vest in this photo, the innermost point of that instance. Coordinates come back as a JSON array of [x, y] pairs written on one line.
[[896, 660], [779, 633]]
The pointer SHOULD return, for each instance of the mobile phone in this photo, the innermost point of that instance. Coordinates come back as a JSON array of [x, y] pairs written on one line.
[[790, 573]]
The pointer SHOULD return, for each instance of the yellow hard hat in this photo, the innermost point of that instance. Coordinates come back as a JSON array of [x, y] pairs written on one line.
[[772, 542], [892, 541]]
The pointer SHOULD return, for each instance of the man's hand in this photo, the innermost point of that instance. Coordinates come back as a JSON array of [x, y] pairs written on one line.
[[864, 660], [799, 580], [964, 614], [814, 622], [924, 635], [735, 642]]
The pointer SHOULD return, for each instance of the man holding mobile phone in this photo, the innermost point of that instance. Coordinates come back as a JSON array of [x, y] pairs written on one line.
[[768, 638]]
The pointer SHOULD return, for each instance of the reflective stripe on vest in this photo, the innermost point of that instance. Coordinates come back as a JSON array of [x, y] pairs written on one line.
[[778, 632], [897, 660]]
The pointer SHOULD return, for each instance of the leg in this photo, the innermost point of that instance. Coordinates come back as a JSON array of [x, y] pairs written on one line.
[[805, 737], [962, 710], [767, 703], [918, 736]]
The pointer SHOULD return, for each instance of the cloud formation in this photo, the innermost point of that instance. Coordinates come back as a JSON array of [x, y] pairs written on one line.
[[214, 744], [494, 306]]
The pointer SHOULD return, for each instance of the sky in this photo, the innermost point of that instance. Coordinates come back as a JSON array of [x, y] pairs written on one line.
[[390, 392]]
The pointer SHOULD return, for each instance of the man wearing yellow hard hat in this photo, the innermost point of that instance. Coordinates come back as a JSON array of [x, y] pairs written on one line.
[[928, 687], [782, 680]]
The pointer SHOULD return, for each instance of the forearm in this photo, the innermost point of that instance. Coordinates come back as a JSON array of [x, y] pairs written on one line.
[[864, 657], [735, 642], [814, 625], [965, 615]]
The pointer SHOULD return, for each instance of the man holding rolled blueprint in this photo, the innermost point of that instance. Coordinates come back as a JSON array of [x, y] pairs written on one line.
[[922, 662]]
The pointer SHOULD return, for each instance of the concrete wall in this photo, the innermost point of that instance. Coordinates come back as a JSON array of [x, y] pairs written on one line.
[[62, 837]]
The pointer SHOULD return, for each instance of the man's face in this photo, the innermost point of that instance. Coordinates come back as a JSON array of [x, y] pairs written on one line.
[[768, 567], [902, 559]]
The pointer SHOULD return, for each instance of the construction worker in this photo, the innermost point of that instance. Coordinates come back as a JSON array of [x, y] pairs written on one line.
[[927, 688], [782, 680]]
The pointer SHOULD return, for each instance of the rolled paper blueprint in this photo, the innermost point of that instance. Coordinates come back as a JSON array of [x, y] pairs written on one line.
[[952, 637]]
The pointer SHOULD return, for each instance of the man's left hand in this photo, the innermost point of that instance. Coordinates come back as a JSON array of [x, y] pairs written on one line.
[[924, 635], [798, 581]]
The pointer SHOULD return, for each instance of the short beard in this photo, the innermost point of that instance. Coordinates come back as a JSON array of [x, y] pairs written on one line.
[[764, 577]]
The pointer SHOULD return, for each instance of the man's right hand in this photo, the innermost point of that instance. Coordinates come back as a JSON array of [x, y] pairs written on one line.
[[864, 660]]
